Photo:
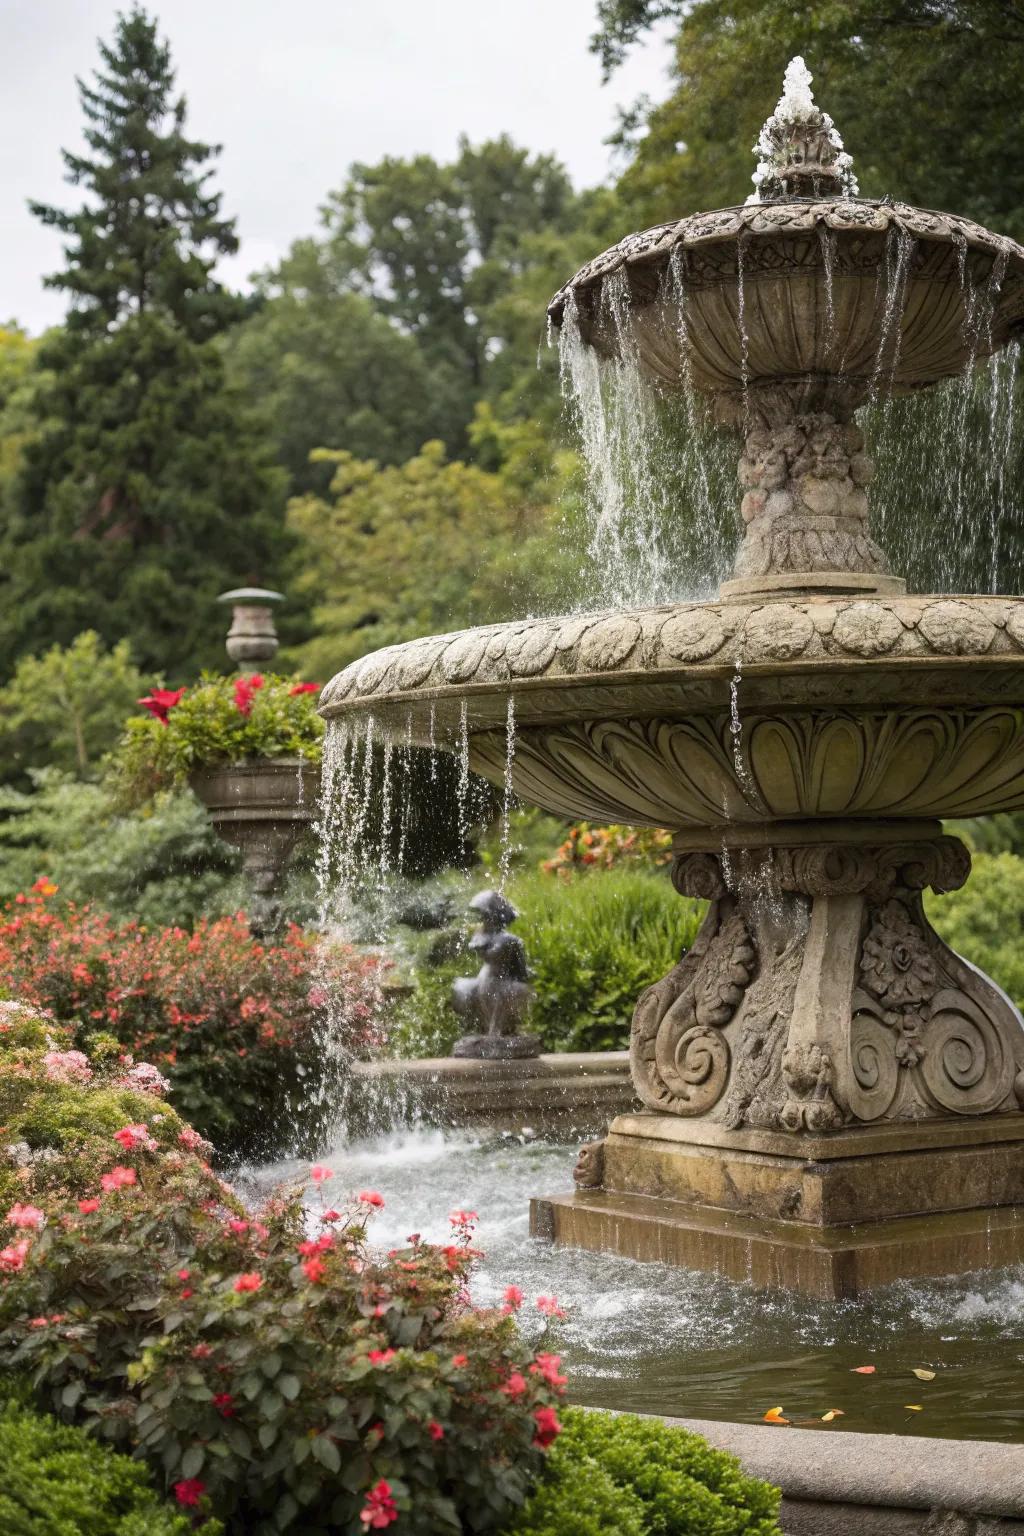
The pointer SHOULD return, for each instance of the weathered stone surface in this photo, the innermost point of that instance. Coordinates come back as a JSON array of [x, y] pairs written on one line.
[[957, 628], [608, 643], [866, 629], [777, 632], [694, 634]]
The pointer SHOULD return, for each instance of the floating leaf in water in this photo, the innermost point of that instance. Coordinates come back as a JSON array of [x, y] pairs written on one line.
[[864, 1370], [833, 1413], [774, 1416], [922, 1374]]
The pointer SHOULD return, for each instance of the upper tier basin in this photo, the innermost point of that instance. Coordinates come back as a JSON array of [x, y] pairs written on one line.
[[839, 296], [910, 707]]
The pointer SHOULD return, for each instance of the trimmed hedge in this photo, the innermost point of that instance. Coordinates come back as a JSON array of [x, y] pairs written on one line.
[[57, 1481], [637, 1477]]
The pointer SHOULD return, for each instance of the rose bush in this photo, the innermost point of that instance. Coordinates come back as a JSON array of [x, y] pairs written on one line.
[[277, 1377], [241, 1029]]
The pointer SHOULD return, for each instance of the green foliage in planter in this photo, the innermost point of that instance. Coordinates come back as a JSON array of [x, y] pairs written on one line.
[[160, 864], [638, 1477], [594, 940], [220, 720], [57, 1481], [984, 921]]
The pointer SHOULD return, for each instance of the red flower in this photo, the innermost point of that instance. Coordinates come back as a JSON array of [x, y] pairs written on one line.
[[13, 1256], [459, 1361], [547, 1366], [161, 701], [88, 1206], [25, 1216], [118, 1178], [330, 1216], [249, 1282], [515, 1386], [380, 1356], [548, 1427], [380, 1509], [189, 1491], [370, 1197], [436, 1429], [201, 1352], [223, 1403], [549, 1306], [238, 1227], [304, 688], [513, 1298], [246, 689], [318, 1173], [463, 1218], [314, 1269]]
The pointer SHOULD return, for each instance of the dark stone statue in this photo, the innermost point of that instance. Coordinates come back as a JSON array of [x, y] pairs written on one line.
[[495, 1001]]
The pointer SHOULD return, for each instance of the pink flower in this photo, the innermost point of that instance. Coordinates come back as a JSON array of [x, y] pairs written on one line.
[[458, 1361], [314, 1269], [12, 1258], [146, 1078], [547, 1366], [380, 1356], [190, 1139], [330, 1216], [189, 1491], [548, 1427], [371, 1197], [513, 1298], [249, 1282], [118, 1178], [239, 1228], [88, 1206], [549, 1306], [318, 1173], [380, 1509], [26, 1216], [435, 1429], [131, 1136], [67, 1067], [463, 1218], [160, 702], [304, 688], [515, 1386]]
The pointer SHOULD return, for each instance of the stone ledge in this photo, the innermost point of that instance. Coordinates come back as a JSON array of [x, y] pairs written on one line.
[[574, 1092], [850, 1484]]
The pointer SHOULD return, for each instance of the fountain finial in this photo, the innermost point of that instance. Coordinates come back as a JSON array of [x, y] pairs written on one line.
[[800, 153]]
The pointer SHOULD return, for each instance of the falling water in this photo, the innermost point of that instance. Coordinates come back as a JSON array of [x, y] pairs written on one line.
[[507, 794]]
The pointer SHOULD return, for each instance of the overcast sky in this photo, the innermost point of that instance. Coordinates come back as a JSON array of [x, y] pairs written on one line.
[[295, 92]]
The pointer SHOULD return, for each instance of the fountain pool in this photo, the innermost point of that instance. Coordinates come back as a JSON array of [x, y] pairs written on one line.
[[657, 1339]]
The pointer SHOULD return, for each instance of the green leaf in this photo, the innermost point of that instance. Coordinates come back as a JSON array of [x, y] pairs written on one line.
[[192, 1461], [326, 1453]]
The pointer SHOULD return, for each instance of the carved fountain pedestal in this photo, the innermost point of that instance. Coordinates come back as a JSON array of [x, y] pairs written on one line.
[[815, 1067], [833, 1097]]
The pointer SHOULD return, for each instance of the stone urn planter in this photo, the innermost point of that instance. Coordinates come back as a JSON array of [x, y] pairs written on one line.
[[261, 807]]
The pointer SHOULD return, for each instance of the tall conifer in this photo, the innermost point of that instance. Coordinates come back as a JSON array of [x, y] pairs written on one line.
[[149, 491]]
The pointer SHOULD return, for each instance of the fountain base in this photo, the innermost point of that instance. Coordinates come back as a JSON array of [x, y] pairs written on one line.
[[828, 1216]]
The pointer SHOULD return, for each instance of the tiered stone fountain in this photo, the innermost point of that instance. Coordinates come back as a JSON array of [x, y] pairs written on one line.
[[833, 1096]]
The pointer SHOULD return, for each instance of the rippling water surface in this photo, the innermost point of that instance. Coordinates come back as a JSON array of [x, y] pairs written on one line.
[[661, 1340]]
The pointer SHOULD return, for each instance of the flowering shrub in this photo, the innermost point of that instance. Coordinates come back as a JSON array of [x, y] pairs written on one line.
[[278, 1379], [220, 720], [238, 1028], [588, 847]]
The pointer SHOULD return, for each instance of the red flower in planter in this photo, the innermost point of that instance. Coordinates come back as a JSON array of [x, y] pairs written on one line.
[[161, 701], [246, 689], [548, 1427]]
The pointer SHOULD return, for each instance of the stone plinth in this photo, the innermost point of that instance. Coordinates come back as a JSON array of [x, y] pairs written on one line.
[[828, 1216]]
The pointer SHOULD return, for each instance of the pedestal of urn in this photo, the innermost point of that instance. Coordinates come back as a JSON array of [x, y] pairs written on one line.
[[262, 808], [835, 1095]]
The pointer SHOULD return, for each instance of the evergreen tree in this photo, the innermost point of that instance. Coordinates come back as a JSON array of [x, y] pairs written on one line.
[[149, 491]]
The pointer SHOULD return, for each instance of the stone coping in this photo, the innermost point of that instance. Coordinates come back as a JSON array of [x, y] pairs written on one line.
[[435, 1069], [653, 248], [805, 1147], [970, 1477], [682, 657]]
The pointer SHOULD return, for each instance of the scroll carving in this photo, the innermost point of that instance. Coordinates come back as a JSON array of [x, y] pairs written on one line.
[[749, 1028]]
